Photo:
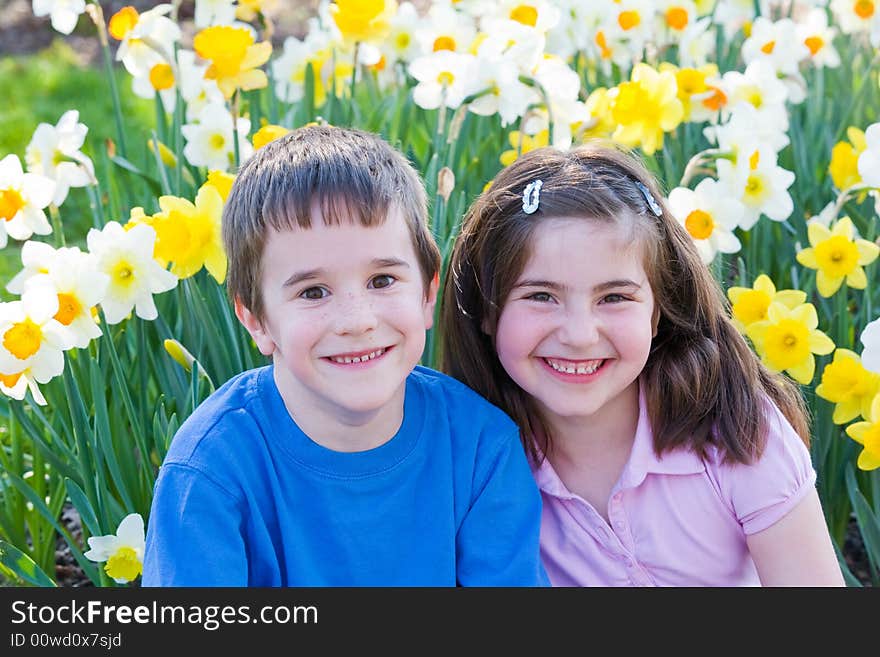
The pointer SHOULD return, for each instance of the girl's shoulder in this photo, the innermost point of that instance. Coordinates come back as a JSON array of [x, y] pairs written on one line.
[[761, 492]]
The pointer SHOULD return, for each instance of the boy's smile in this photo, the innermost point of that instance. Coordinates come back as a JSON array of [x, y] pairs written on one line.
[[576, 329], [345, 323]]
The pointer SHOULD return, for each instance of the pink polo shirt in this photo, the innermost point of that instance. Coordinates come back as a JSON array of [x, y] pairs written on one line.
[[675, 521]]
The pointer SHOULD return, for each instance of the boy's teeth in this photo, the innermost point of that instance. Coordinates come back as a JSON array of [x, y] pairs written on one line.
[[346, 360], [586, 367]]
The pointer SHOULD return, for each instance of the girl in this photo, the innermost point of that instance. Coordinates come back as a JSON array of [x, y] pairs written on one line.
[[665, 453]]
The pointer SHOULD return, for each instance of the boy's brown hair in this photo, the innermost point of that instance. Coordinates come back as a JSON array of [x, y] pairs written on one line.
[[348, 174], [704, 385]]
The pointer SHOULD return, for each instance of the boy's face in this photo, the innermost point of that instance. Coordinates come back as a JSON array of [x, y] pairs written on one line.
[[345, 319]]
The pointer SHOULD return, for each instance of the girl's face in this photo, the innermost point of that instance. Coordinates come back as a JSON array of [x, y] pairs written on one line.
[[576, 328]]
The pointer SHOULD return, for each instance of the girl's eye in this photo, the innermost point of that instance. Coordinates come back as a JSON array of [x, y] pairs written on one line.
[[314, 293], [382, 281], [542, 297], [613, 298]]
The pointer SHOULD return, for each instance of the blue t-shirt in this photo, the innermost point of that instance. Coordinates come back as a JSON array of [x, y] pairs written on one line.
[[245, 498]]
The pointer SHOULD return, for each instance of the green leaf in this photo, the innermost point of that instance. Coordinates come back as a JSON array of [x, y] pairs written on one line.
[[122, 163], [23, 566], [83, 507], [869, 523]]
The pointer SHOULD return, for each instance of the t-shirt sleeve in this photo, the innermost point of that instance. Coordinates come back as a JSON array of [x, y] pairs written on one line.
[[763, 492], [194, 534], [497, 542]]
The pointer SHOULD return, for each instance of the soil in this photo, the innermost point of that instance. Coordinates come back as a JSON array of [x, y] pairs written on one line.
[[22, 33]]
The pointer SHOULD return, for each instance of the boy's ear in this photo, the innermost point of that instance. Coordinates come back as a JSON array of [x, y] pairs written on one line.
[[431, 301], [254, 326]]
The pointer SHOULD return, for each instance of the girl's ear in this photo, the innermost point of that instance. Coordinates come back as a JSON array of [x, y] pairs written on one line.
[[255, 327]]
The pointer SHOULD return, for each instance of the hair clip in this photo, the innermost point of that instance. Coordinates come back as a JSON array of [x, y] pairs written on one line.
[[532, 196], [649, 198]]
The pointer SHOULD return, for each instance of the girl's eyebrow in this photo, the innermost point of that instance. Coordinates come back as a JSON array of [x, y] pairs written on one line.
[[309, 274], [601, 287]]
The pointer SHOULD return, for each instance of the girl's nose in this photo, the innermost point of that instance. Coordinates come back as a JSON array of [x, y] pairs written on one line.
[[580, 327]]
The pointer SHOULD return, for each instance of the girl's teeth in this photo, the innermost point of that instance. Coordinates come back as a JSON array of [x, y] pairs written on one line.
[[571, 369]]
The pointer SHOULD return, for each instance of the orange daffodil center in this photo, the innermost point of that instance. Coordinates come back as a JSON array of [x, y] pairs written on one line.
[[11, 202], [837, 256]]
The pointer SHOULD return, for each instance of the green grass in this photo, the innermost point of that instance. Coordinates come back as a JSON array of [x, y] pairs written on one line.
[[41, 88]]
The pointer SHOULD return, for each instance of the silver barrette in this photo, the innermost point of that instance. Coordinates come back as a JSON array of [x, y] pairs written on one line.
[[532, 196], [649, 198]]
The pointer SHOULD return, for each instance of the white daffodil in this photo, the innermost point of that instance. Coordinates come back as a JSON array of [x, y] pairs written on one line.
[[635, 18], [815, 33], [760, 184], [511, 42], [562, 85], [733, 15], [401, 44], [127, 258], [497, 80], [74, 277], [855, 16], [575, 33], [146, 39], [209, 143], [64, 13], [444, 28], [444, 78], [17, 385], [747, 130], [214, 12], [289, 69], [776, 43], [32, 339], [870, 338], [123, 551], [540, 15], [54, 151], [869, 160], [673, 19], [697, 44], [709, 215], [760, 87], [23, 197]]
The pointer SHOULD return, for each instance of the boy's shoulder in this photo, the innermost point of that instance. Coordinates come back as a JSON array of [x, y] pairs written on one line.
[[214, 423], [460, 403]]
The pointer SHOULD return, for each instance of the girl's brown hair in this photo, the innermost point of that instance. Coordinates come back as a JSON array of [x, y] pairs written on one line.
[[703, 384]]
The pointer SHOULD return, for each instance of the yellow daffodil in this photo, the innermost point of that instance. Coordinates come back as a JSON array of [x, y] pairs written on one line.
[[750, 304], [847, 384], [837, 256], [788, 338], [523, 144], [221, 181], [268, 133], [188, 235], [844, 159], [123, 551], [363, 20], [646, 107], [867, 434], [234, 58], [693, 88]]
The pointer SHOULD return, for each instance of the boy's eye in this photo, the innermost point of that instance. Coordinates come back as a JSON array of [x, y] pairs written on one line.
[[314, 293], [542, 297], [382, 280]]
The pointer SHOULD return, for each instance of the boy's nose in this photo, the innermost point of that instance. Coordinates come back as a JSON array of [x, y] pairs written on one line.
[[356, 315]]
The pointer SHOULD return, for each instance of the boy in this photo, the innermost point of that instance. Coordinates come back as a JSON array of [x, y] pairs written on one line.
[[343, 462]]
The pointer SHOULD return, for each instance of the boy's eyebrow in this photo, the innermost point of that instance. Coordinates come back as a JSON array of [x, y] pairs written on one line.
[[601, 287], [309, 274]]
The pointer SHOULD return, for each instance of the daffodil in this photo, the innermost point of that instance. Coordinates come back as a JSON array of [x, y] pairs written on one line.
[[777, 43], [74, 277], [17, 385], [541, 15], [855, 16], [363, 20], [268, 133], [709, 216], [818, 37], [523, 144], [844, 168], [221, 181], [214, 12], [209, 141], [847, 384], [247, 10], [146, 38], [601, 123], [64, 13], [123, 551], [867, 434], [126, 256], [869, 159], [54, 151], [234, 58], [750, 304], [694, 86], [788, 339], [444, 28], [23, 197], [759, 184], [444, 78], [30, 336], [870, 338], [837, 256], [188, 235], [646, 107]]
